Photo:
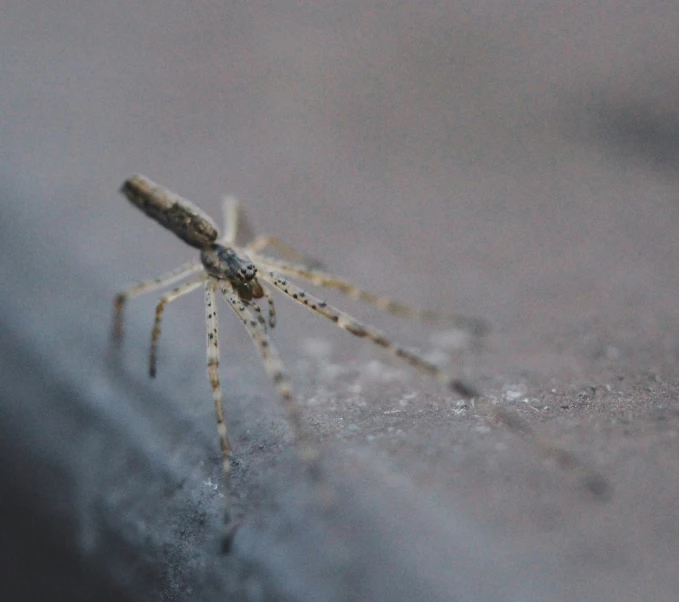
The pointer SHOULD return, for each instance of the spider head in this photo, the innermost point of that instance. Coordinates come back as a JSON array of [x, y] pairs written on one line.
[[225, 264]]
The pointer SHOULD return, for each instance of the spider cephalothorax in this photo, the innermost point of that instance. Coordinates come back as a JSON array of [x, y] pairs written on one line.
[[224, 263]]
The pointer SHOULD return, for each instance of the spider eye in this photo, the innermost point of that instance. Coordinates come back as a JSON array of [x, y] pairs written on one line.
[[247, 272]]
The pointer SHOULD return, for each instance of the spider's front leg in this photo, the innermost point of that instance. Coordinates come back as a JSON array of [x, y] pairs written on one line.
[[212, 322], [350, 324], [312, 274], [273, 365]]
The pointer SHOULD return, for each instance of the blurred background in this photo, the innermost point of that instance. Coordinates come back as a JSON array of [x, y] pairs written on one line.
[[517, 161]]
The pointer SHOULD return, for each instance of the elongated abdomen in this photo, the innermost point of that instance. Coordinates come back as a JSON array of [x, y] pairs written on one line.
[[175, 213]]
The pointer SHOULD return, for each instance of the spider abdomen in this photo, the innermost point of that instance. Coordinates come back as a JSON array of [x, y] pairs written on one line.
[[175, 213]]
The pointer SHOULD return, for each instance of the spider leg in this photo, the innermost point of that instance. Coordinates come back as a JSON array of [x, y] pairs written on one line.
[[262, 242], [350, 324], [274, 368], [590, 478], [475, 326], [212, 322], [236, 225], [272, 307], [231, 211], [160, 308], [147, 286], [258, 312]]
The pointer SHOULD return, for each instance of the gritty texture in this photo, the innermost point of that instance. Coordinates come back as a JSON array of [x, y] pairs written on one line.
[[516, 162]]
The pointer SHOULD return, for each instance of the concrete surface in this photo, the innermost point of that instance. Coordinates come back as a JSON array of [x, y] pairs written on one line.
[[517, 161]]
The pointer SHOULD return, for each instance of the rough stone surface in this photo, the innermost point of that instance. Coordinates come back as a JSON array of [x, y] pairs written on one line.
[[519, 162]]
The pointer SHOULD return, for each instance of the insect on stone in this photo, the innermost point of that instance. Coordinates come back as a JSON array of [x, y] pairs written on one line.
[[244, 276]]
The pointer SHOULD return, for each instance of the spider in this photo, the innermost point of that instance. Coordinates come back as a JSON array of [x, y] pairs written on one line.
[[244, 276]]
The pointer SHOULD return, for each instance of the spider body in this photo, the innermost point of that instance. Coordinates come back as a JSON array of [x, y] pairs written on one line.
[[243, 275]]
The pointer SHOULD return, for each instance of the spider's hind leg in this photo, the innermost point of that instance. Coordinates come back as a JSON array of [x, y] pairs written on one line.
[[212, 322]]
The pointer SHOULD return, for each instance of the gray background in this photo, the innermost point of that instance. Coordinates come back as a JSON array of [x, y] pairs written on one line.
[[517, 161]]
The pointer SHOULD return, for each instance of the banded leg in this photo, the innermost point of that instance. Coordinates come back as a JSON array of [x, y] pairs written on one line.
[[590, 478], [475, 326], [147, 286], [274, 368], [160, 308], [258, 312], [213, 373], [272, 307], [350, 324]]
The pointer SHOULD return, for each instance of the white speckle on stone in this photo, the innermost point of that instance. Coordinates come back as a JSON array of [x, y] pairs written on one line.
[[328, 371], [321, 396], [376, 370], [403, 402], [513, 392], [211, 485]]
